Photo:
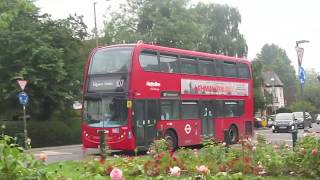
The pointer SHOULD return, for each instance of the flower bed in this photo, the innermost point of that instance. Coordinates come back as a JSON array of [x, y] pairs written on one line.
[[214, 161]]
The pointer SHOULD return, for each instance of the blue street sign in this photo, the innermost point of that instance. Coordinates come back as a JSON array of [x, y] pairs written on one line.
[[302, 75], [23, 98]]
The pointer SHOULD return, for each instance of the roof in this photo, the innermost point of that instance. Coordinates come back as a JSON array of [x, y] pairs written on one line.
[[267, 79]]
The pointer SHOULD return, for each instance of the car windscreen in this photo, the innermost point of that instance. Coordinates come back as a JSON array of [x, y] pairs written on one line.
[[298, 114], [285, 117]]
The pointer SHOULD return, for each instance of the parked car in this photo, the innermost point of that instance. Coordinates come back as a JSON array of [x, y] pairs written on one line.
[[318, 119], [300, 122], [270, 120], [257, 122], [284, 122]]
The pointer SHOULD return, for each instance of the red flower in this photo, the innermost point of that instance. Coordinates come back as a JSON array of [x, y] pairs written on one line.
[[222, 168], [171, 152], [108, 170], [101, 160], [247, 159], [314, 152]]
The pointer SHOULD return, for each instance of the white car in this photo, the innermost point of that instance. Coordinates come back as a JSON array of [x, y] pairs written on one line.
[[318, 119]]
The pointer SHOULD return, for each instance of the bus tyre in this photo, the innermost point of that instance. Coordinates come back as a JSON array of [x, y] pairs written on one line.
[[233, 134], [171, 139]]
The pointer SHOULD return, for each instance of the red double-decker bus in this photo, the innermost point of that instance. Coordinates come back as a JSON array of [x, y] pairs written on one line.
[[140, 92]]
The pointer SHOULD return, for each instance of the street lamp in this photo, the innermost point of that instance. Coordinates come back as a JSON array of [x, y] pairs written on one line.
[[300, 55], [95, 24], [272, 107], [301, 41]]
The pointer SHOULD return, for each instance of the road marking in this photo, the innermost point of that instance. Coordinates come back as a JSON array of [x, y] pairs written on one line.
[[53, 153]]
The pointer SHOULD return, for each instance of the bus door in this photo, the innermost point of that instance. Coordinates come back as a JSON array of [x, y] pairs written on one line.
[[145, 120], [207, 121]]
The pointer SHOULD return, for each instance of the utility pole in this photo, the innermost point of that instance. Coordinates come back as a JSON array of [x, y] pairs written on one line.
[[95, 24]]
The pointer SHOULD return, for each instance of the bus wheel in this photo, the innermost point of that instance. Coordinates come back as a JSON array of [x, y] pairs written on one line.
[[233, 134], [171, 138]]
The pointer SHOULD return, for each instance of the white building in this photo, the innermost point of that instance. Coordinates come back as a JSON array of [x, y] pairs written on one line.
[[273, 86]]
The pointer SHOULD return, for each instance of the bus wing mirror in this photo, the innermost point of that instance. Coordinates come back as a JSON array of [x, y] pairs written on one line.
[[77, 105]]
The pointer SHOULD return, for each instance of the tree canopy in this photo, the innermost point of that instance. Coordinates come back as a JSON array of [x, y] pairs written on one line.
[[43, 51], [274, 58], [176, 23]]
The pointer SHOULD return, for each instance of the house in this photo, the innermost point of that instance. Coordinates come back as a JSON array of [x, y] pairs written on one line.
[[274, 87]]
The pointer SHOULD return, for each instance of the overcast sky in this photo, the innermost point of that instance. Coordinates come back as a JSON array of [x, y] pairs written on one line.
[[281, 22]]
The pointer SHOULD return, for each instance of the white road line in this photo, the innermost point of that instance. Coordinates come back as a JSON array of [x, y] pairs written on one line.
[[53, 153]]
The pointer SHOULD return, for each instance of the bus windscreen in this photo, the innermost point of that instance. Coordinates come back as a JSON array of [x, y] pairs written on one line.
[[105, 112], [111, 60]]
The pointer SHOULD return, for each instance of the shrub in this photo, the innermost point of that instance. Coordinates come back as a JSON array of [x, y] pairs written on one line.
[[47, 133], [14, 164]]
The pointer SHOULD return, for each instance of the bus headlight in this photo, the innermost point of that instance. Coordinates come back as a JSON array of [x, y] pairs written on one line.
[[129, 135], [273, 127]]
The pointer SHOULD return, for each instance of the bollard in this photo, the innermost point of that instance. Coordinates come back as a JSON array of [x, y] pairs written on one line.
[[294, 134], [102, 144], [226, 138]]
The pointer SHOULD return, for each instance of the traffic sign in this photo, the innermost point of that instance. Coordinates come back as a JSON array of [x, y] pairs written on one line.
[[302, 75], [300, 51], [23, 98], [22, 83]]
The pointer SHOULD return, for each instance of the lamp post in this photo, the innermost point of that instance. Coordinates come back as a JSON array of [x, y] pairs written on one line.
[[272, 107], [300, 51], [95, 24]]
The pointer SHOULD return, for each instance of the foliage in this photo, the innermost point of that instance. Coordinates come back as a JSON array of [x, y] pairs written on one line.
[[46, 53], [302, 105], [214, 161], [311, 89], [250, 160], [49, 133], [283, 110], [274, 58], [9, 9], [14, 164], [205, 27]]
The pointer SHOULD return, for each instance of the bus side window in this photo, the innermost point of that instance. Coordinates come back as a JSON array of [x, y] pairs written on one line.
[[189, 110], [149, 61], [168, 64], [243, 71], [218, 108], [169, 110], [233, 108]]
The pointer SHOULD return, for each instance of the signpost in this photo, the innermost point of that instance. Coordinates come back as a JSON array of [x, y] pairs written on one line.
[[302, 75], [23, 99]]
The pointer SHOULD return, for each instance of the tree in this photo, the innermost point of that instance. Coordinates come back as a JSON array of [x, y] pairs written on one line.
[[275, 58], [311, 89], [299, 105], [260, 100], [10, 9], [46, 53], [210, 28]]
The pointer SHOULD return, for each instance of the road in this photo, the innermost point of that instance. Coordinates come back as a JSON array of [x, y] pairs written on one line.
[[284, 138], [75, 152]]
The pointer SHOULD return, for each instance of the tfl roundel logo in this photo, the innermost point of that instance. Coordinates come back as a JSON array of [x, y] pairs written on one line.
[[187, 128]]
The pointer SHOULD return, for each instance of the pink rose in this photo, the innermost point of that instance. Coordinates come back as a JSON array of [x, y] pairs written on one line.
[[314, 152], [203, 169], [116, 174], [175, 171], [43, 157]]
